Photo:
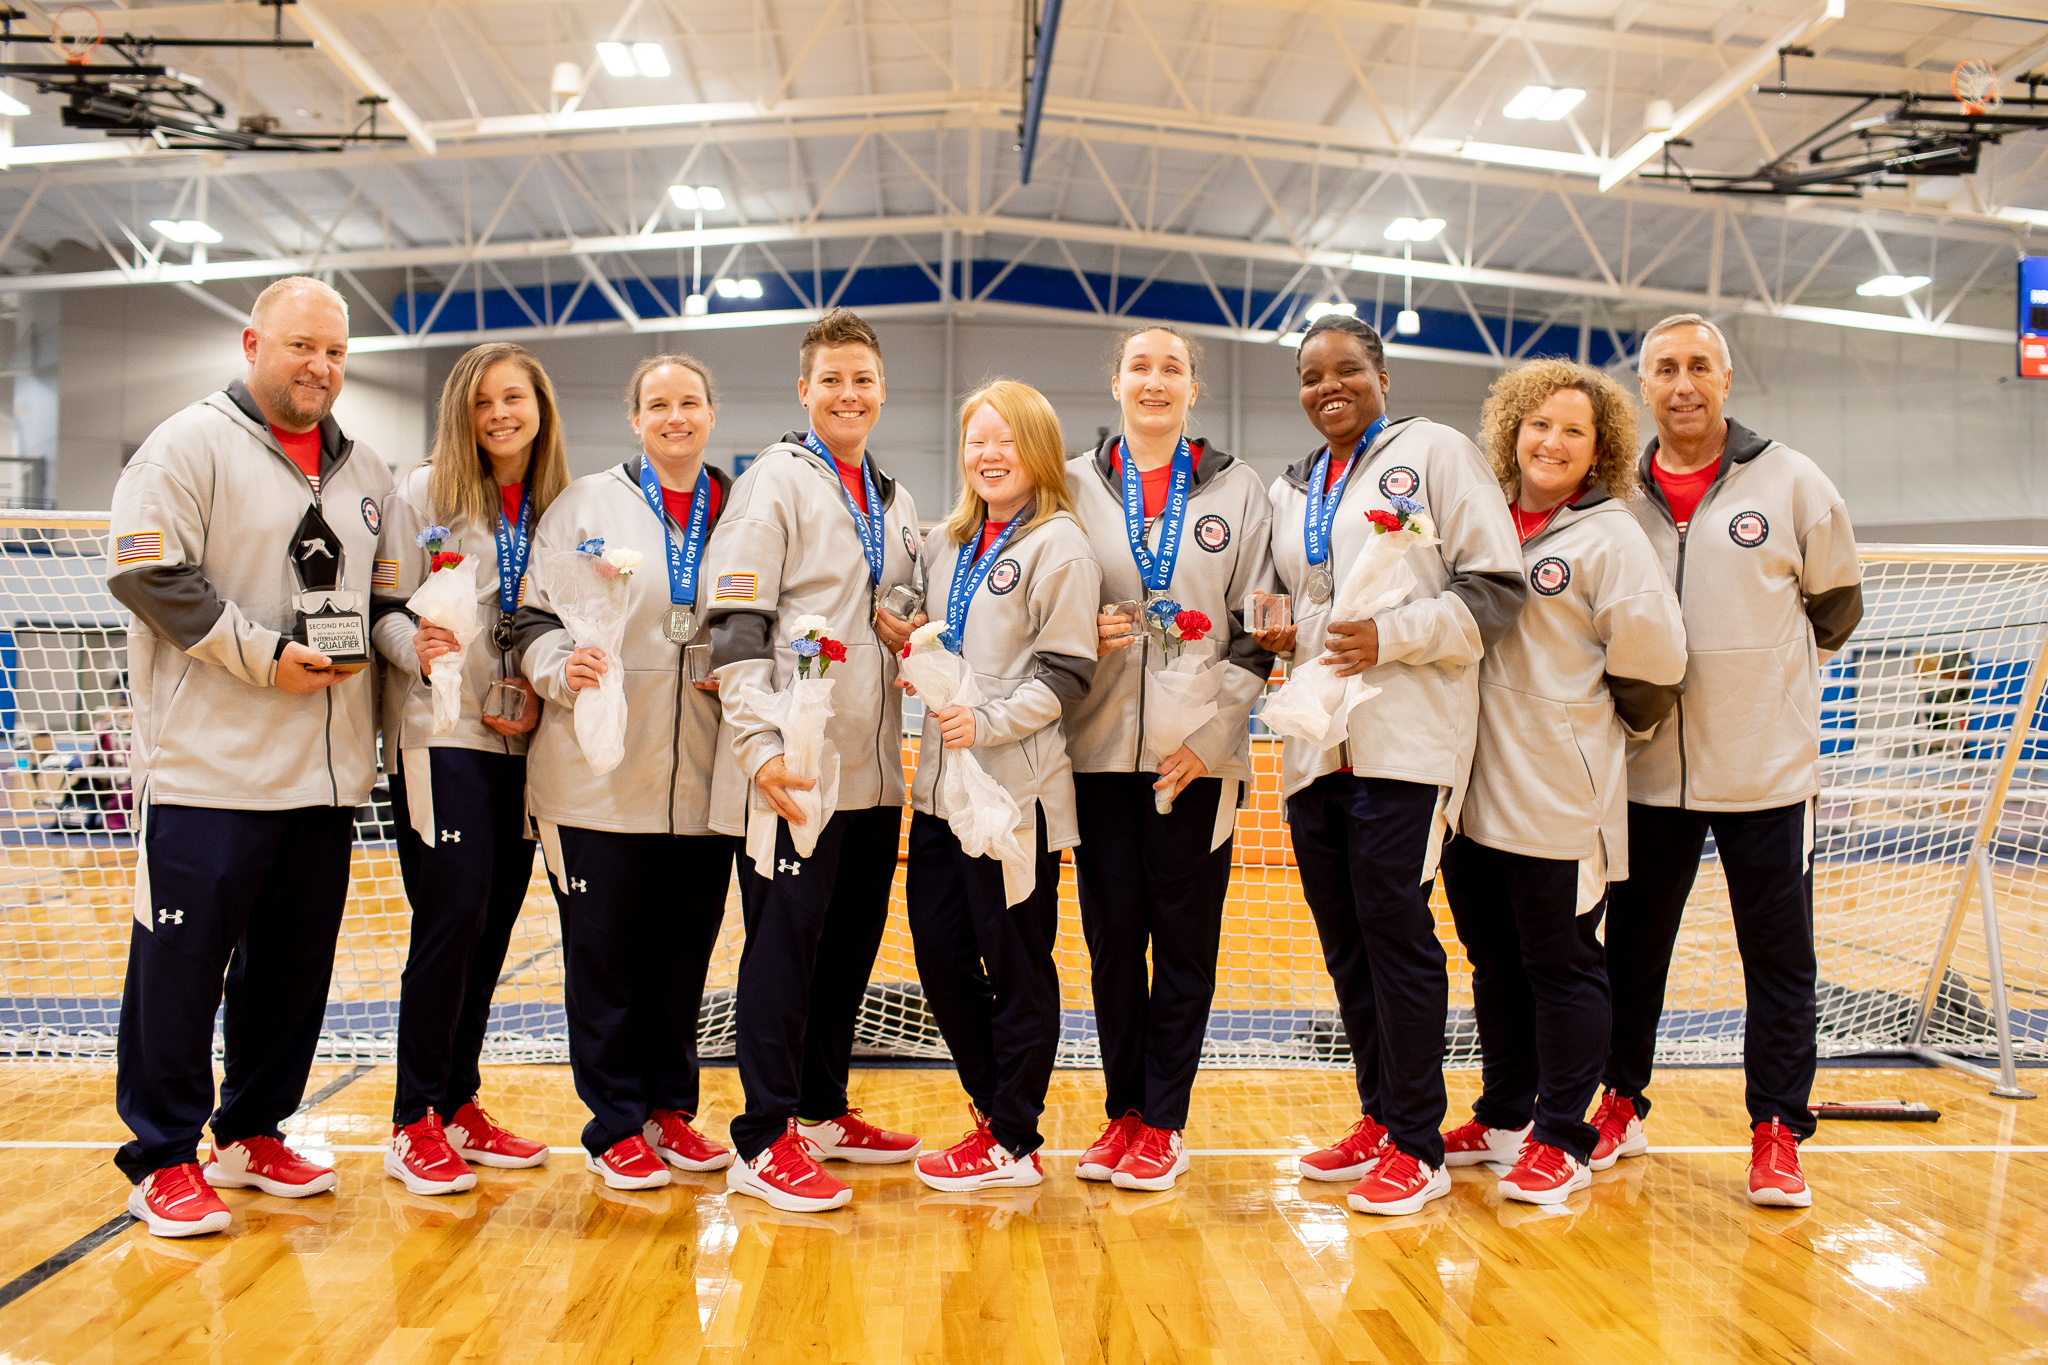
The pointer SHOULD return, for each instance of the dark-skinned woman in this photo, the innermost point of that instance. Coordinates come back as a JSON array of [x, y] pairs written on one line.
[[1368, 817]]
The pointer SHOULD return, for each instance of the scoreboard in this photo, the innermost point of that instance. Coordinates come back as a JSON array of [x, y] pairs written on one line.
[[2033, 317]]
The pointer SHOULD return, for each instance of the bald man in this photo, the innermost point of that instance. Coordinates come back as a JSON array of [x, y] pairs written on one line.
[[244, 542]]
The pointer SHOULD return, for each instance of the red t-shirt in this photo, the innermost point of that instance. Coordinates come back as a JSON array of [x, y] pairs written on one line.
[[678, 501], [1337, 468], [1154, 484], [1684, 491], [304, 448], [509, 495], [989, 531], [856, 486]]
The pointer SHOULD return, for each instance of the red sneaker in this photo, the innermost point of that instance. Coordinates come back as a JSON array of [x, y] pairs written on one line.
[[852, 1138], [422, 1159], [1472, 1144], [1774, 1175], [1099, 1161], [177, 1202], [978, 1162], [668, 1131], [1621, 1131], [1349, 1157], [268, 1165], [1155, 1160], [1545, 1175], [787, 1176], [1398, 1184], [628, 1164], [476, 1136]]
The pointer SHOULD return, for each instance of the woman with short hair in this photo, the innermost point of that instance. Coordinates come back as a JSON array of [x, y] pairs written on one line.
[[1597, 654]]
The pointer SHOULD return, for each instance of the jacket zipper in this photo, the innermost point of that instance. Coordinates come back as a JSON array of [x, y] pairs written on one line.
[[675, 744], [1684, 768], [347, 449]]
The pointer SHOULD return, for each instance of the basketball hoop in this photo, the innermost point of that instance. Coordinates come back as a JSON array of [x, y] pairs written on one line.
[[75, 32], [1975, 85]]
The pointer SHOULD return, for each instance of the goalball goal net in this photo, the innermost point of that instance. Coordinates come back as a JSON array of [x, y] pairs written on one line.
[[1926, 770]]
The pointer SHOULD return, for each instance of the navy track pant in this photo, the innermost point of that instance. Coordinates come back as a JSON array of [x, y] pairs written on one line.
[[257, 894], [466, 889], [640, 917], [812, 935], [1539, 989], [1360, 843], [1770, 894], [988, 974], [1150, 882]]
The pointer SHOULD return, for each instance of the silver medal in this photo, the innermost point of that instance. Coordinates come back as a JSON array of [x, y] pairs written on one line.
[[1319, 583], [680, 626]]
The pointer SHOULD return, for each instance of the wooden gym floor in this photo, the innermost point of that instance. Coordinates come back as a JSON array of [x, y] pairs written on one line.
[[1927, 1242]]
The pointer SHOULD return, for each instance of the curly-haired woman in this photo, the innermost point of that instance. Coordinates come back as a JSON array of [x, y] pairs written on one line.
[[1597, 654]]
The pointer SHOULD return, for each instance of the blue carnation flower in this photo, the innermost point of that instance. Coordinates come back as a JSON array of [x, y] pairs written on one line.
[[950, 641], [592, 546], [431, 535], [805, 647], [1165, 609], [1407, 506]]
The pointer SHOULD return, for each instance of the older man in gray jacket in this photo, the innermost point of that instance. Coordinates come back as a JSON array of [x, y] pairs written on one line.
[[1757, 544], [252, 751]]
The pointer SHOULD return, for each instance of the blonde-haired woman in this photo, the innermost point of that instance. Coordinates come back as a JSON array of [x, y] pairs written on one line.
[[459, 798], [1597, 652], [1012, 581]]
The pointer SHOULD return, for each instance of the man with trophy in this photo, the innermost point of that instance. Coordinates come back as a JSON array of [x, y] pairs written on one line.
[[244, 537]]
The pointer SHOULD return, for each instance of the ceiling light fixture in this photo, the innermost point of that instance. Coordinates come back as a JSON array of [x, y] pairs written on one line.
[[1891, 286], [617, 59], [1536, 158], [697, 198], [1414, 229], [1407, 322], [189, 231], [1544, 103], [11, 106], [653, 62], [738, 289]]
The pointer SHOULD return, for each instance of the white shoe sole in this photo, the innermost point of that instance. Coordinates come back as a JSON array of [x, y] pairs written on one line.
[[1781, 1199], [967, 1184], [683, 1163], [233, 1180], [1125, 1181], [1093, 1171], [740, 1179], [138, 1209], [615, 1181], [395, 1167], [1439, 1185], [1341, 1174], [499, 1161], [1485, 1154], [1581, 1181], [866, 1156], [1634, 1146]]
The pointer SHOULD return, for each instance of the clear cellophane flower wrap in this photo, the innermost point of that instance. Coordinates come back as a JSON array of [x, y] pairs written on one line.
[[800, 712], [1180, 698], [591, 595], [448, 600], [1315, 704], [983, 815]]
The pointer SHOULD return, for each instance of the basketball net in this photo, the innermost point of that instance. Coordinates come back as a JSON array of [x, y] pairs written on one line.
[[1975, 85]]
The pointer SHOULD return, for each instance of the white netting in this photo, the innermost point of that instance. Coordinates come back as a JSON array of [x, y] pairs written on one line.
[[1917, 712]]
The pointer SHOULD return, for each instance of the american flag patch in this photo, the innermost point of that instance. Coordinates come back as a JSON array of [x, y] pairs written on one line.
[[384, 573], [138, 547], [735, 587]]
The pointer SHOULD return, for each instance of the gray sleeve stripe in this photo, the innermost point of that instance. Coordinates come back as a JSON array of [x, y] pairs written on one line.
[[1494, 599], [1068, 676], [175, 600], [740, 635], [1835, 615]]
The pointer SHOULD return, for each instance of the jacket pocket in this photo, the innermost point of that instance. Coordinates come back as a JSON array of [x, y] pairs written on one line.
[[1751, 724]]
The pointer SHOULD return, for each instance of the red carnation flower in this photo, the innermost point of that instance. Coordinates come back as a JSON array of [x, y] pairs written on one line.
[[906, 652], [1193, 625], [444, 559], [832, 650], [1386, 521]]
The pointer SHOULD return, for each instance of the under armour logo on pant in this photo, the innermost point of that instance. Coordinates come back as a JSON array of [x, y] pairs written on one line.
[[170, 917], [451, 836], [578, 884], [784, 865]]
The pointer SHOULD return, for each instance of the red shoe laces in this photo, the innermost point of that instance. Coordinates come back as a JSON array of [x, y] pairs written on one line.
[[791, 1153], [973, 1148], [174, 1186], [1365, 1137], [1396, 1169], [266, 1151], [1614, 1114], [1125, 1127], [1772, 1143], [1542, 1159], [1153, 1144]]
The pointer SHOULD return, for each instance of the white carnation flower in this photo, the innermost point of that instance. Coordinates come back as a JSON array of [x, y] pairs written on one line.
[[624, 558], [927, 635], [804, 625]]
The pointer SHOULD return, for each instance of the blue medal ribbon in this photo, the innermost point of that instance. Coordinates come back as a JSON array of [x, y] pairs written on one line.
[[1321, 512], [961, 595], [512, 546], [868, 523], [1157, 571], [682, 559]]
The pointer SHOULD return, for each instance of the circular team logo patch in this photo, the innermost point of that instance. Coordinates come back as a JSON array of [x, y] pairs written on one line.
[[1212, 533], [370, 517], [909, 543], [1550, 576], [1003, 576], [1400, 482], [1748, 529]]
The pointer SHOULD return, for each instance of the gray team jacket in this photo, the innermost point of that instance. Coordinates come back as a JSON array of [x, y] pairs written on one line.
[[785, 548], [401, 568], [1030, 639], [203, 518], [1768, 579], [1468, 592], [1223, 556], [675, 765], [1599, 643]]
